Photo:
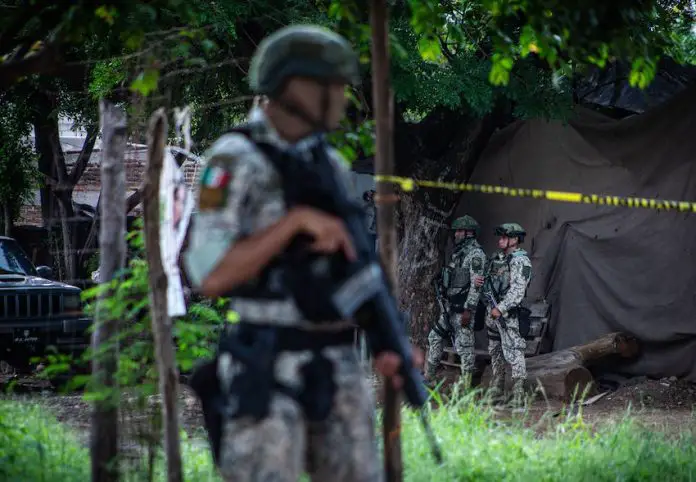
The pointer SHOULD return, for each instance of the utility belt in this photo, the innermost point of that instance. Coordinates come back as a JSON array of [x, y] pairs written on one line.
[[523, 315], [240, 381]]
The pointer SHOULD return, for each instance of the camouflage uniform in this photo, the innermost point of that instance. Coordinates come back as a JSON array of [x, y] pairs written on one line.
[[240, 193], [508, 277], [466, 263]]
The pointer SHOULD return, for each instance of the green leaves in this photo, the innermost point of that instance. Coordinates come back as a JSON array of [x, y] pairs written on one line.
[[642, 72], [429, 49], [107, 13], [146, 82], [106, 76], [590, 32], [500, 69]]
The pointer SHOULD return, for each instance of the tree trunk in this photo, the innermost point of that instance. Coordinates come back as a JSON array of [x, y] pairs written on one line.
[[161, 323], [59, 183], [426, 213], [104, 443], [7, 219], [384, 165], [67, 215]]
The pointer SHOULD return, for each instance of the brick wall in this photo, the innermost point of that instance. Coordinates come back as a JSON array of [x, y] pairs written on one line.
[[90, 182], [30, 215]]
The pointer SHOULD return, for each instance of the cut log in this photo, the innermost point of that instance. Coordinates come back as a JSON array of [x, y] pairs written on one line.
[[612, 344], [564, 374], [566, 382]]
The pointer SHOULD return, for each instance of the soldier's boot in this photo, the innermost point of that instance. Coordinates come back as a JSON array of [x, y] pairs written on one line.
[[518, 394], [496, 388], [429, 375], [467, 379]]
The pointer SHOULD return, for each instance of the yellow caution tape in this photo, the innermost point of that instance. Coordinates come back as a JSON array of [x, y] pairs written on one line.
[[408, 184]]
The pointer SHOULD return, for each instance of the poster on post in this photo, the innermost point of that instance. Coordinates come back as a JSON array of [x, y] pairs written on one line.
[[176, 206]]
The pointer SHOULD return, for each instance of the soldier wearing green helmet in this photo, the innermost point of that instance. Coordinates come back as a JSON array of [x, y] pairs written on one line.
[[505, 286], [458, 297], [242, 225]]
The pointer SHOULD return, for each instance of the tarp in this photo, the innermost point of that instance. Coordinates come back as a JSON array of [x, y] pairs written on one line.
[[605, 269]]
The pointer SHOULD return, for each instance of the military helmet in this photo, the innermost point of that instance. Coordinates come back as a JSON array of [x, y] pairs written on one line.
[[511, 230], [466, 223], [305, 51]]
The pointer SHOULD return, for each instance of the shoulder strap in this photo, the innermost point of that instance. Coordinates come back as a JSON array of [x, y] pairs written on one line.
[[273, 154]]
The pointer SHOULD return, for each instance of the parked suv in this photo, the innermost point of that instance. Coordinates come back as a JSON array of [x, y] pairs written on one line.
[[36, 312]]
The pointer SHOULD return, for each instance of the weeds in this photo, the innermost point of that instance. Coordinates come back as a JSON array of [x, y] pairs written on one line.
[[478, 447]]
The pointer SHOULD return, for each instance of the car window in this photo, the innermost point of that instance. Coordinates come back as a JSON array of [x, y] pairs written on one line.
[[13, 259]]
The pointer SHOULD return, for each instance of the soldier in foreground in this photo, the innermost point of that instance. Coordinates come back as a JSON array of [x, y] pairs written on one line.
[[460, 297], [241, 227], [507, 278]]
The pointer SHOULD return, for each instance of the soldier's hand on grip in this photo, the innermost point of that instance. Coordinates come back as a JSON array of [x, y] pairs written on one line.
[[388, 363], [329, 232], [465, 318]]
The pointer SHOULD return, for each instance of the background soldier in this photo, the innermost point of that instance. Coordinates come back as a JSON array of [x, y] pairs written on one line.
[[459, 297], [508, 276], [241, 226]]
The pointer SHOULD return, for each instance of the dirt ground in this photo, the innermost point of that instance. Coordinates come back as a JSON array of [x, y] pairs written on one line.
[[665, 405]]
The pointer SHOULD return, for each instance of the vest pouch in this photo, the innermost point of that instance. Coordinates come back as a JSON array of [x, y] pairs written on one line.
[[460, 279], [254, 348], [524, 317], [319, 390], [480, 316]]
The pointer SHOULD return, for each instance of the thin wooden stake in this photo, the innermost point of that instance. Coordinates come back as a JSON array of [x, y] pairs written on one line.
[[384, 165], [112, 258], [161, 323]]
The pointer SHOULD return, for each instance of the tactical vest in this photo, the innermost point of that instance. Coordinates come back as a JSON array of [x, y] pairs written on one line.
[[499, 274], [457, 280], [310, 278]]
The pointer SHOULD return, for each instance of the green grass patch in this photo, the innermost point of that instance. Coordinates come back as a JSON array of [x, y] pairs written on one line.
[[35, 447]]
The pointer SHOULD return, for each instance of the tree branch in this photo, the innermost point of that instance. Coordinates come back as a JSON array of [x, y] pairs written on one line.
[[134, 199], [85, 155], [58, 155], [45, 61]]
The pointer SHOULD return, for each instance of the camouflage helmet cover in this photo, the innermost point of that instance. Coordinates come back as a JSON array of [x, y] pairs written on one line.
[[511, 230], [466, 223], [305, 51]]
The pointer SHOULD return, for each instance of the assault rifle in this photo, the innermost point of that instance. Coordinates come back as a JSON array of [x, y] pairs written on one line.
[[329, 287], [444, 331], [491, 301]]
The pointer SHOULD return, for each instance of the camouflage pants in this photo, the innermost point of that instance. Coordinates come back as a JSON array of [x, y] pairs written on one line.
[[463, 344], [506, 345], [284, 445]]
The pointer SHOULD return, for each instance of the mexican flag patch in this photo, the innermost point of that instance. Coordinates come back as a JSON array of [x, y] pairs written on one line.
[[215, 177], [214, 185]]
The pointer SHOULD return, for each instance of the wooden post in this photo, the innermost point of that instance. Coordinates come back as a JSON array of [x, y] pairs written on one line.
[[161, 323], [384, 165], [112, 258]]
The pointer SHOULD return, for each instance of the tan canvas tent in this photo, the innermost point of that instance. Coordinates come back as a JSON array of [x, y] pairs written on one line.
[[602, 268]]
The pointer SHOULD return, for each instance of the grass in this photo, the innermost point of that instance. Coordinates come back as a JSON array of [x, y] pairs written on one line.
[[35, 447]]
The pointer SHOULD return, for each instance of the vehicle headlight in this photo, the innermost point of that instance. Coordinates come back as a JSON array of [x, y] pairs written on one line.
[[72, 302]]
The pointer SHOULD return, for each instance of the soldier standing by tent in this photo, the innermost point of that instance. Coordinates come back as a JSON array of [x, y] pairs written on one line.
[[505, 286], [459, 298], [323, 416]]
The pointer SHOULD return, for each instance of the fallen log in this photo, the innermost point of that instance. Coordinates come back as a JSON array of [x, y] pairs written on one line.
[[564, 374]]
